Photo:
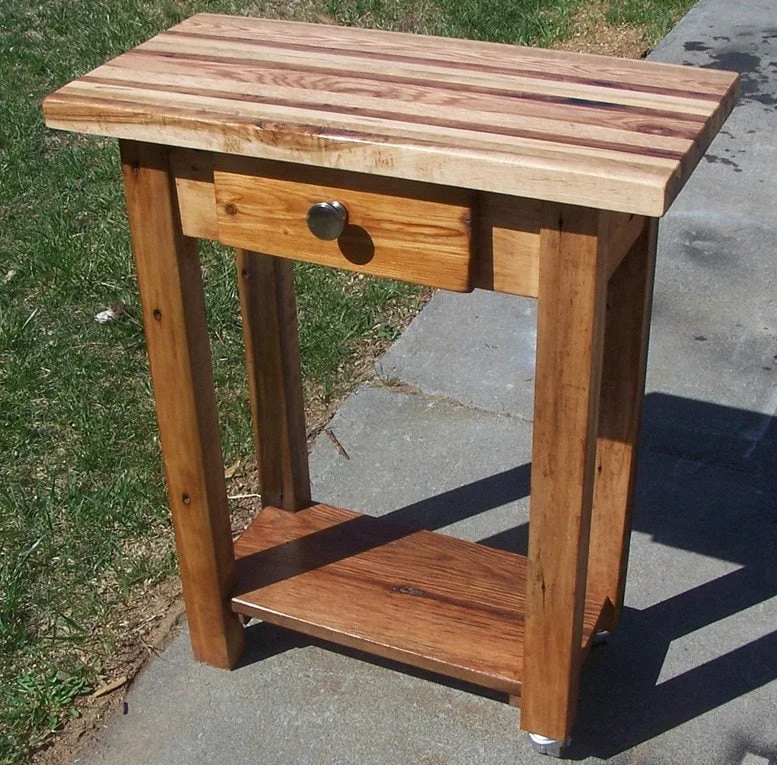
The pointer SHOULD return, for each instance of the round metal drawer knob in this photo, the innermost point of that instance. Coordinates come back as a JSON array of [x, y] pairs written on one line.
[[326, 220]]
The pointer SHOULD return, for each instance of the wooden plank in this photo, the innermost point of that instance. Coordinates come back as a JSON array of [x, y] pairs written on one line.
[[570, 330], [483, 113], [627, 326], [338, 179], [317, 40], [619, 232], [508, 252], [236, 52], [422, 598], [269, 310], [416, 240], [193, 171], [300, 124], [197, 195], [168, 271], [375, 84], [523, 168], [507, 228], [551, 125]]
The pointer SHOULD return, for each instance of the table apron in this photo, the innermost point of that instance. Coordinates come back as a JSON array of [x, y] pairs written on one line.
[[485, 240]]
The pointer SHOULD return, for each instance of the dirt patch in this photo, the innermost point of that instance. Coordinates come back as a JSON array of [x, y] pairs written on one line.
[[592, 34], [149, 622]]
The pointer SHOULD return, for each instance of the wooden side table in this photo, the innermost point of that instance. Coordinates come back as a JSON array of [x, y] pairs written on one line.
[[450, 163]]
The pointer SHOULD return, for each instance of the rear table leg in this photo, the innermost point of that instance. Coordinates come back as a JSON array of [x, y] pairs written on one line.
[[269, 311], [627, 324]]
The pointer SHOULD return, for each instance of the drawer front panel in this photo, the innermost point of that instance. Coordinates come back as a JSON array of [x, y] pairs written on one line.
[[424, 240]]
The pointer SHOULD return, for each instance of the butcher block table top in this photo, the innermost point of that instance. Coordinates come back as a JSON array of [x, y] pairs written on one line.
[[599, 132]]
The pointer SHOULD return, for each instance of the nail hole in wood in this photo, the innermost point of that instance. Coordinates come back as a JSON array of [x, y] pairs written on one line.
[[186, 499], [157, 314]]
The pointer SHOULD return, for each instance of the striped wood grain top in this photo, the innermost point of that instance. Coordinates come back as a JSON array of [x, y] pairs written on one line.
[[601, 132]]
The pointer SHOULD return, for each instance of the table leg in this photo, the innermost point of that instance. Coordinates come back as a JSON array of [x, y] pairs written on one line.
[[570, 331], [627, 324], [168, 271], [269, 313]]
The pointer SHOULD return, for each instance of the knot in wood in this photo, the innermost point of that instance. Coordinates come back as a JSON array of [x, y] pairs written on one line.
[[406, 589]]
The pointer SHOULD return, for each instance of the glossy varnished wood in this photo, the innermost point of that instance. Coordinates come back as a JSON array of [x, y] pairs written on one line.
[[552, 125], [269, 310], [503, 233], [627, 325], [168, 270], [422, 598], [423, 237], [570, 331]]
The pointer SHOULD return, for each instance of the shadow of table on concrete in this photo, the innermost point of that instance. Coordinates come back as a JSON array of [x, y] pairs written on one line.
[[707, 494]]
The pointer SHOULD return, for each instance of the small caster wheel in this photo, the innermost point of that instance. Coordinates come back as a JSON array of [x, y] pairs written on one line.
[[544, 745], [602, 637]]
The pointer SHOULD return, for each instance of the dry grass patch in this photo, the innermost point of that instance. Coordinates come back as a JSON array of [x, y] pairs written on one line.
[[592, 33]]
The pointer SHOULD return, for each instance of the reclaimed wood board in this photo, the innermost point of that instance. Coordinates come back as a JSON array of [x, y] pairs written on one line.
[[170, 283], [588, 130], [418, 240], [570, 334], [422, 598], [268, 306]]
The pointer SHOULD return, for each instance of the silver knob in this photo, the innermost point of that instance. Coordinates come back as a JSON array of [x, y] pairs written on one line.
[[326, 220]]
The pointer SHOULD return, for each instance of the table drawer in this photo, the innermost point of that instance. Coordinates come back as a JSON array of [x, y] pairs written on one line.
[[417, 233]]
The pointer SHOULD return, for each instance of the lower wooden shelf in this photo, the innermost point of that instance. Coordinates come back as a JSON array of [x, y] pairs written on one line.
[[418, 597]]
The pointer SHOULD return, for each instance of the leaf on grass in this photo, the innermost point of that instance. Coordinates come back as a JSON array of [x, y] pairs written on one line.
[[103, 690], [113, 312], [104, 316], [231, 471]]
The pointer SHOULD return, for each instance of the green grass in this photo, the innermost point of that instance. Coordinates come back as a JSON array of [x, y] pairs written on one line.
[[525, 22], [83, 520], [656, 17]]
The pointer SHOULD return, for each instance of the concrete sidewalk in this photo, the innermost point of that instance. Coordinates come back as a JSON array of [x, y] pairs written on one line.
[[691, 673]]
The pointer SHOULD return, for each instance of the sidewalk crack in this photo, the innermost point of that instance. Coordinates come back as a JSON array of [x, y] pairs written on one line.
[[398, 386]]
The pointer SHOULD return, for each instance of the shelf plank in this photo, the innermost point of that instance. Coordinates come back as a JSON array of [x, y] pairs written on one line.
[[410, 595]]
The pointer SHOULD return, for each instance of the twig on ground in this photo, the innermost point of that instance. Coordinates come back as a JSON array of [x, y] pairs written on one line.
[[338, 445]]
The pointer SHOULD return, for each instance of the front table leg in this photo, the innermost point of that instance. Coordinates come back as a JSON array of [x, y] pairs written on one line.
[[570, 330], [168, 271]]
